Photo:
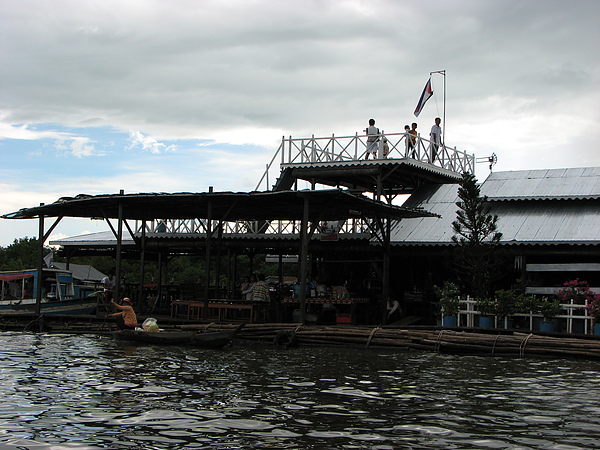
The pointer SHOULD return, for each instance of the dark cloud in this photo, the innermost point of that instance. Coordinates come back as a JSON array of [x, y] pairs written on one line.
[[202, 68]]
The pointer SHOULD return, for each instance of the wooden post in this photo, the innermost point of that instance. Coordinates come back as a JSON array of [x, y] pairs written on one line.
[[40, 261], [385, 292], [207, 255], [303, 259], [142, 264], [118, 255]]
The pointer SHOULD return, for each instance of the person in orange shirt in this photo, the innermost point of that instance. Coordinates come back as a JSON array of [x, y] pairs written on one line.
[[413, 139], [126, 318]]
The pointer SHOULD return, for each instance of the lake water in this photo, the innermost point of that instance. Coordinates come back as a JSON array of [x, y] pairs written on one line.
[[76, 392]]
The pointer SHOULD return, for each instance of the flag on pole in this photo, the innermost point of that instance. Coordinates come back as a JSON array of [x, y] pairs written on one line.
[[426, 95]]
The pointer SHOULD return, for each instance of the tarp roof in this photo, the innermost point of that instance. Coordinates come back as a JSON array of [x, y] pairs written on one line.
[[332, 204], [15, 276]]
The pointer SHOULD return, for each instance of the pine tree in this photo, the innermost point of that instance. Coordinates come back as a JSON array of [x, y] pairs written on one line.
[[476, 236]]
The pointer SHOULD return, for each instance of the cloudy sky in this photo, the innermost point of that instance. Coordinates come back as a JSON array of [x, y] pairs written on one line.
[[180, 95]]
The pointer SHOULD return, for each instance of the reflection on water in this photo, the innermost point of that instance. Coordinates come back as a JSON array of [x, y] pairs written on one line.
[[74, 392]]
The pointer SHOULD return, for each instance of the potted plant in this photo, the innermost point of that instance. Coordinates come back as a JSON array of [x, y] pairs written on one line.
[[487, 310], [506, 305], [549, 309], [527, 304], [578, 292], [593, 309], [448, 303]]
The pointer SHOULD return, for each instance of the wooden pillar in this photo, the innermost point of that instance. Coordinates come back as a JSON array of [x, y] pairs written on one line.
[[118, 255], [207, 255], [142, 264], [303, 259], [385, 287], [40, 261], [229, 276], [235, 274], [159, 284], [379, 186], [279, 311], [218, 261]]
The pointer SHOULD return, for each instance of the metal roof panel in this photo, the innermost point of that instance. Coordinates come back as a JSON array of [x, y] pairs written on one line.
[[539, 218]]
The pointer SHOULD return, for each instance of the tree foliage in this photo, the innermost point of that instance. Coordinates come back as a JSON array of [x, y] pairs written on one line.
[[21, 254], [476, 236]]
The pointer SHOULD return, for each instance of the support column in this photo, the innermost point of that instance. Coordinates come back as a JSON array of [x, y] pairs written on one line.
[[142, 263], [40, 261], [207, 254], [118, 255], [303, 259], [385, 288]]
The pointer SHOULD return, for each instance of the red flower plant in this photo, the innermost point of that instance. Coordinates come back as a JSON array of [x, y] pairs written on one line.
[[580, 293]]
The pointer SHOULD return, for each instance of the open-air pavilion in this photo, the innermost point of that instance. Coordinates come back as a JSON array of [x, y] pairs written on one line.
[[245, 218]]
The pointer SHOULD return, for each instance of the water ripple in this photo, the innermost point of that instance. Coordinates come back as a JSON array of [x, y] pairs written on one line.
[[77, 392]]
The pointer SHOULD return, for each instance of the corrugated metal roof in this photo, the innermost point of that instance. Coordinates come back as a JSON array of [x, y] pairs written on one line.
[[573, 220], [81, 272], [107, 239], [550, 184], [100, 238]]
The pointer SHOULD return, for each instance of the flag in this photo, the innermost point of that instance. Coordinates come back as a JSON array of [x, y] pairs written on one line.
[[426, 95]]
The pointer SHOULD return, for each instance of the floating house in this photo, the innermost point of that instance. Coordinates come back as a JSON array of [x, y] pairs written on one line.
[[372, 228]]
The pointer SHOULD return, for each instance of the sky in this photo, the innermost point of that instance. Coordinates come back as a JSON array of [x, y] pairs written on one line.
[[180, 95]]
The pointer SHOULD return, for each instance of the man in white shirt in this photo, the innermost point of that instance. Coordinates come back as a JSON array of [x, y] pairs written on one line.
[[372, 139], [108, 283], [436, 139]]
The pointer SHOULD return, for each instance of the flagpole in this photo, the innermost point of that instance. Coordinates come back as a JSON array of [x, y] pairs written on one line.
[[442, 72]]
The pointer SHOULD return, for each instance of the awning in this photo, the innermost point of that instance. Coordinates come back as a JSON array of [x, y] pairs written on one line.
[[15, 276], [331, 204]]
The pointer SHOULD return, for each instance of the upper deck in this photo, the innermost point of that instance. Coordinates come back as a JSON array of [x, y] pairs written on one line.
[[341, 161]]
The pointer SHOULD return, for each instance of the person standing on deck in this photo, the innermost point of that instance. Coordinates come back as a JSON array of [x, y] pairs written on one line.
[[244, 287], [436, 139], [247, 290], [260, 290], [372, 138], [407, 137], [108, 283], [413, 139], [126, 318]]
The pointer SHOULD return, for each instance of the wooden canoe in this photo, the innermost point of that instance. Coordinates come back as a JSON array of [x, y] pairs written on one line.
[[202, 339]]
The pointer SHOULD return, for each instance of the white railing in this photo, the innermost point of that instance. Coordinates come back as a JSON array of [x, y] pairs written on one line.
[[574, 313], [336, 149]]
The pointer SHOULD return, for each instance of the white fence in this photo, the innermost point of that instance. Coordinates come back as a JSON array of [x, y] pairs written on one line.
[[572, 314]]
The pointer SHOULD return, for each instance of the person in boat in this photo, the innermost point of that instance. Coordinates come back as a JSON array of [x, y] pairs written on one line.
[[126, 318]]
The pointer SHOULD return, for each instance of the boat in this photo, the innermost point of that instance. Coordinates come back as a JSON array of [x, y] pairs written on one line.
[[60, 294], [203, 339]]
